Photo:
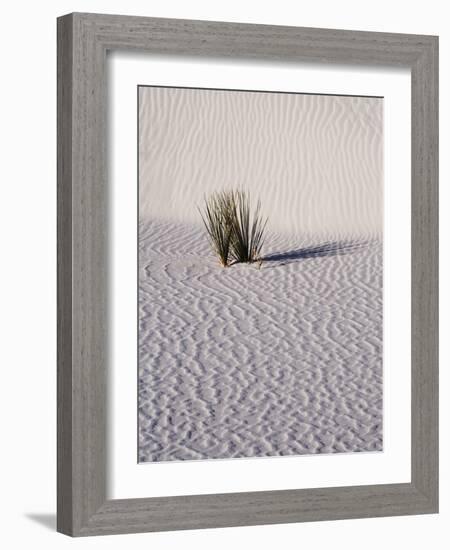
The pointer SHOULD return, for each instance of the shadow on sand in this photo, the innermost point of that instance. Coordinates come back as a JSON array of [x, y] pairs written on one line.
[[316, 251]]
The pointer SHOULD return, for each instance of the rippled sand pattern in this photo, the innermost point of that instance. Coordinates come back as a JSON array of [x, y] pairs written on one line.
[[316, 162], [246, 362]]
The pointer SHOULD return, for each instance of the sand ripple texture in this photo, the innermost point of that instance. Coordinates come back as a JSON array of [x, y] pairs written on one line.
[[314, 161], [248, 362]]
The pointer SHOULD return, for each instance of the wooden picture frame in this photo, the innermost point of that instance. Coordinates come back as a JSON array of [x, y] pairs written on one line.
[[83, 40]]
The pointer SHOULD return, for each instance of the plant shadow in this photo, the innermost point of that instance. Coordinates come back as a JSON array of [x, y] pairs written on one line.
[[337, 248]]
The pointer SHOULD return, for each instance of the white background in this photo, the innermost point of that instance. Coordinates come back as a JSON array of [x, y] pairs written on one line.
[[28, 274]]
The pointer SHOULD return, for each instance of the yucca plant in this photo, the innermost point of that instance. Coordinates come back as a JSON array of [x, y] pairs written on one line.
[[217, 220], [234, 233], [247, 235]]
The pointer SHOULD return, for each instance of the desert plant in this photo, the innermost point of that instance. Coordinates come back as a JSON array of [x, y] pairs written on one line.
[[247, 235], [217, 220], [233, 232]]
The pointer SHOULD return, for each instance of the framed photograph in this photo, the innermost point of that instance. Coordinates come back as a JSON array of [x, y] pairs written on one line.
[[247, 274]]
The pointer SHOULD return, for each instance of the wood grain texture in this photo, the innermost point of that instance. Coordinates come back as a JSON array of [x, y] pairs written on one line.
[[64, 267], [424, 275], [83, 40]]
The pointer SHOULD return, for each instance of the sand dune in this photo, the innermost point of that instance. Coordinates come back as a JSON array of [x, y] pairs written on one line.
[[240, 362], [316, 162], [282, 360]]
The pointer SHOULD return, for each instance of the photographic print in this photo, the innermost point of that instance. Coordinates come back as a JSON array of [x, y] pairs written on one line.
[[260, 274]]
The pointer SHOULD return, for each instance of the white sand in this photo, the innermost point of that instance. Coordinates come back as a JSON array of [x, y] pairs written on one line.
[[241, 361], [316, 162], [278, 361]]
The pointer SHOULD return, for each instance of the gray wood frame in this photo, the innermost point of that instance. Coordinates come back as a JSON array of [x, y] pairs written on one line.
[[83, 40]]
